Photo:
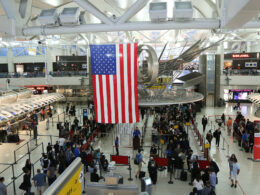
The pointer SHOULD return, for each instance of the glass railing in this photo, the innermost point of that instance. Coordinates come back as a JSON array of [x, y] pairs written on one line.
[[236, 72], [68, 73], [41, 74]]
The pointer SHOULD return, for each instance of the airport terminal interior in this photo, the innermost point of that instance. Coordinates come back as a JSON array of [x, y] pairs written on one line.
[[129, 97]]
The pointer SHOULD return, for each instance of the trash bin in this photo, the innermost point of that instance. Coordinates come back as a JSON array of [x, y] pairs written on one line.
[[146, 185]]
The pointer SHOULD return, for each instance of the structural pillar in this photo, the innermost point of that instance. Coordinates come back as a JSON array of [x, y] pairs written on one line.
[[203, 70], [49, 60], [10, 62], [217, 79]]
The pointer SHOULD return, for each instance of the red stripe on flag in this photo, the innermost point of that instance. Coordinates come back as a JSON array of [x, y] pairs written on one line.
[[135, 83], [129, 82], [115, 98], [108, 99], [101, 99], [95, 96], [121, 56]]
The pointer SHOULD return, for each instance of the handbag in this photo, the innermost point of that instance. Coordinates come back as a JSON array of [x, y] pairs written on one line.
[[162, 141], [23, 186]]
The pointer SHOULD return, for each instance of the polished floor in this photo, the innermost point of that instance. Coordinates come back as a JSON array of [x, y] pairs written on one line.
[[248, 178]]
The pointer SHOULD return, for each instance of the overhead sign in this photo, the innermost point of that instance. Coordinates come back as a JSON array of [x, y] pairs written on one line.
[[241, 55]]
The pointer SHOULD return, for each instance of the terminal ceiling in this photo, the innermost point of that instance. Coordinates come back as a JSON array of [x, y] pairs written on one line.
[[240, 26]]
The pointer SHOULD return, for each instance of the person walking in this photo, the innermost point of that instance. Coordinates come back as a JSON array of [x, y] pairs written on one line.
[[204, 123], [229, 126], [153, 169], [223, 118], [139, 160], [3, 190], [217, 134], [235, 172], [39, 181], [230, 163], [117, 145]]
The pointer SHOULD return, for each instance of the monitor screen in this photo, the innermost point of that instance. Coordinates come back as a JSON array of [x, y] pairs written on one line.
[[240, 95]]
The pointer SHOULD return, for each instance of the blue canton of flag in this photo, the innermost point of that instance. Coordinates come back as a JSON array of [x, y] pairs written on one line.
[[103, 59]]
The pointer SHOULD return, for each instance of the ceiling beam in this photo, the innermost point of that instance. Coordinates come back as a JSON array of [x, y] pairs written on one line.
[[129, 26], [236, 13], [93, 10], [136, 7]]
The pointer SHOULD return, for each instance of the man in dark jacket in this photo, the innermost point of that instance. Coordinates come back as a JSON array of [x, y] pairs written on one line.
[[152, 169], [204, 123]]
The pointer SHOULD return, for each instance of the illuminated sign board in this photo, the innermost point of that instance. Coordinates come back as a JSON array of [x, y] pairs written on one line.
[[241, 55]]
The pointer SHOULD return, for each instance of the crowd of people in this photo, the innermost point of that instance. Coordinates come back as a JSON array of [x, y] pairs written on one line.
[[72, 144], [169, 130]]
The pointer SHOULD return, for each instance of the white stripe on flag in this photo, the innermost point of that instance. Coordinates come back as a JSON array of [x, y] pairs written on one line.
[[105, 98], [133, 83], [126, 84], [118, 84], [98, 100], [112, 100]]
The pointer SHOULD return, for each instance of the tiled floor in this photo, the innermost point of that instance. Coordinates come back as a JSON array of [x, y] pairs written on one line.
[[248, 179]]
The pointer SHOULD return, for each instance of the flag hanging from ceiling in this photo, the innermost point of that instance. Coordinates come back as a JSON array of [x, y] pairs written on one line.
[[114, 74]]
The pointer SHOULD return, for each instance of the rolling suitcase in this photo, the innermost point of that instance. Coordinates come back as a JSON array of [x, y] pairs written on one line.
[[183, 176], [142, 174]]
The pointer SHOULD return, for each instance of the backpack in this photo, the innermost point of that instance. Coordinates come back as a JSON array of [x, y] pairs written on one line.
[[215, 134], [137, 159], [45, 163]]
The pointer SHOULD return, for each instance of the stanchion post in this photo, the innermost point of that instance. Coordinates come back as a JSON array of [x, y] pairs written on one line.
[[13, 178], [227, 151], [15, 157], [130, 170], [170, 182], [223, 147], [29, 153], [51, 139]]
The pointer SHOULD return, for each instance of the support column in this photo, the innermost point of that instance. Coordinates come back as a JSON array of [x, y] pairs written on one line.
[[203, 70], [10, 62], [49, 60], [217, 79]]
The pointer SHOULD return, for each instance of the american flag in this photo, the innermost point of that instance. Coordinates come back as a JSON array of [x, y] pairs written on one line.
[[114, 74]]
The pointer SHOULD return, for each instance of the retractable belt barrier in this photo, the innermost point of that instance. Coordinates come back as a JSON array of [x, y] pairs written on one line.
[[123, 161]]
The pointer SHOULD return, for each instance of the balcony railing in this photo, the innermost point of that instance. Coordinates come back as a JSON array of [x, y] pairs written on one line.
[[236, 72], [41, 74]]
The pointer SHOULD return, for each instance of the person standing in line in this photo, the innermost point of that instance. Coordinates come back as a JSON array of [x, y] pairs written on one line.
[[198, 183], [152, 169], [39, 181], [235, 172], [207, 190], [217, 134], [51, 173], [209, 137], [3, 190], [117, 145], [212, 178], [229, 125], [26, 185], [204, 123]]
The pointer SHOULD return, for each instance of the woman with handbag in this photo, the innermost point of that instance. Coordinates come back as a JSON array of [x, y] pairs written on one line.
[[51, 173], [26, 185]]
